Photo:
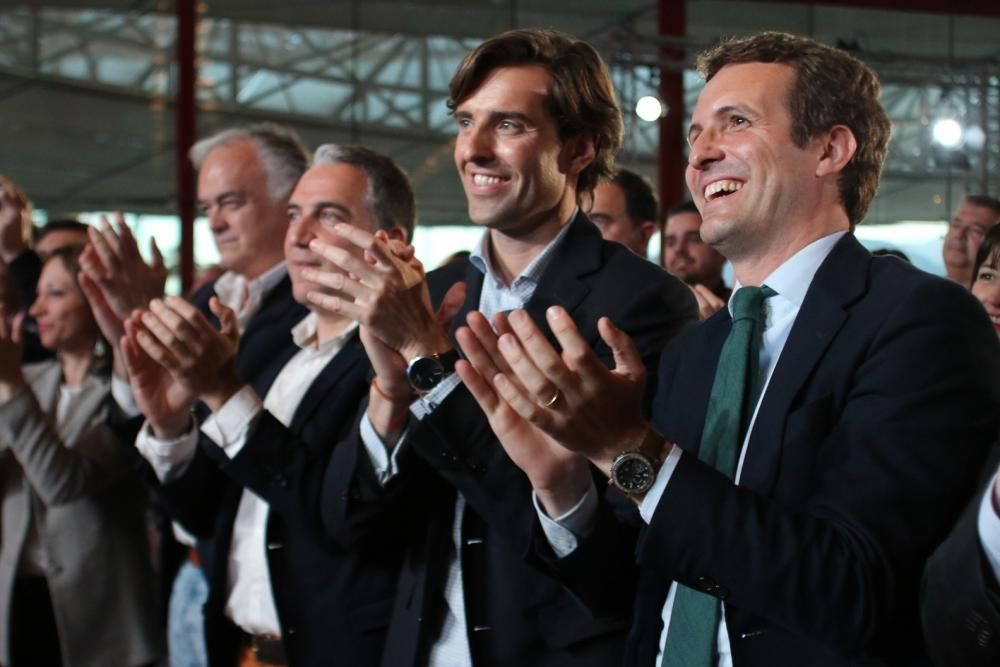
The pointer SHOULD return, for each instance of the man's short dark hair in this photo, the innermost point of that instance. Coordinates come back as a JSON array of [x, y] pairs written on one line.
[[59, 225], [581, 98], [683, 207], [389, 196], [640, 200], [831, 88], [985, 201]]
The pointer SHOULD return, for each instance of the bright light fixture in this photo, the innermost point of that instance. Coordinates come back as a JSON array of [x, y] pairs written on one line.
[[947, 132], [648, 108]]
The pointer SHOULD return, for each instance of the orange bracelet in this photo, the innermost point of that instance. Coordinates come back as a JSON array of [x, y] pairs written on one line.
[[386, 396], [395, 420]]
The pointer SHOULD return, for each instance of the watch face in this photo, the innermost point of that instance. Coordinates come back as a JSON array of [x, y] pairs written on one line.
[[425, 373], [633, 473]]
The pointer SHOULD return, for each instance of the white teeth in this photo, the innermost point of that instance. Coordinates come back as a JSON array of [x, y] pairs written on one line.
[[723, 186], [483, 179]]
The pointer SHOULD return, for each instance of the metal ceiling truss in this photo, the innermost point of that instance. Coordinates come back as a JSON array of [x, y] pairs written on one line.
[[373, 84]]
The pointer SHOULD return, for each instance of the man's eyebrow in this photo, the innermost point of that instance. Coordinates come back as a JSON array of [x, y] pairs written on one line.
[[498, 115], [319, 206]]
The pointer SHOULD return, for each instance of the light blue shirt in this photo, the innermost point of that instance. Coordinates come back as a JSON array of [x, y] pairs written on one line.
[[790, 281], [452, 646], [989, 528]]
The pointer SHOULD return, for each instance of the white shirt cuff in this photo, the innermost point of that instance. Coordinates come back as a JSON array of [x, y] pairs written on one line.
[[989, 528], [563, 532], [652, 499], [168, 458], [121, 392], [229, 426], [427, 403], [385, 464]]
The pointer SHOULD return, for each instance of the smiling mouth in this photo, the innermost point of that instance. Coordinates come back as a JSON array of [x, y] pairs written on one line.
[[722, 188], [484, 179]]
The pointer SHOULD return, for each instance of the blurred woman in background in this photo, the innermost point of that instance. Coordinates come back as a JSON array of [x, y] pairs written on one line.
[[986, 278], [76, 584]]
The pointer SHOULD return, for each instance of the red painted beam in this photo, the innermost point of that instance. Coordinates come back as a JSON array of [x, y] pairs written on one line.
[[957, 7], [184, 136], [671, 22]]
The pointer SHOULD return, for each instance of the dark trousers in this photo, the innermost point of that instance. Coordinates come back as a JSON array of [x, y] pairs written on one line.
[[34, 637]]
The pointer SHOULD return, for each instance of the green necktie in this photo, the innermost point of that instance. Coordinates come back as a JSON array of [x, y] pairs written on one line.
[[694, 618]]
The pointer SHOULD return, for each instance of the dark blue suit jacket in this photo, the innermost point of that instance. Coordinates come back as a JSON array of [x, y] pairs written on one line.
[[960, 596], [867, 442], [520, 609], [333, 606]]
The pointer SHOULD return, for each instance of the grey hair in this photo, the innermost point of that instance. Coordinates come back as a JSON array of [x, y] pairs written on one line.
[[282, 154], [390, 196]]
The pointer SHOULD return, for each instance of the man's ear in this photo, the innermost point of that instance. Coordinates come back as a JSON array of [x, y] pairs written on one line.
[[577, 154], [838, 147], [647, 229], [398, 232]]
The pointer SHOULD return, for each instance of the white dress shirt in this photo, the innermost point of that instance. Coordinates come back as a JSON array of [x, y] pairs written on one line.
[[790, 281], [244, 297], [452, 646], [250, 600]]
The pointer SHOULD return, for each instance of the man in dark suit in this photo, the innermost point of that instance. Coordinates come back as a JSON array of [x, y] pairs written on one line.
[[787, 521], [423, 472], [255, 479], [960, 595], [245, 176]]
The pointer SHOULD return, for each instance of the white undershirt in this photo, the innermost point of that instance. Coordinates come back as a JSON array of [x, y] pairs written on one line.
[[250, 598]]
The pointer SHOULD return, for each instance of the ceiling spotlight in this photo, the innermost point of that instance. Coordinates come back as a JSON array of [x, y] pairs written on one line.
[[648, 108], [947, 132]]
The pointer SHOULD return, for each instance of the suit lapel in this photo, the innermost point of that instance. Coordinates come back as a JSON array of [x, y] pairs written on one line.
[[321, 388], [562, 283], [473, 279], [85, 406], [839, 282]]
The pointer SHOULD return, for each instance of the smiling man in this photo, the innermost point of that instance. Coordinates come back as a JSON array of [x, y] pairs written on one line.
[[280, 594], [537, 126], [811, 443]]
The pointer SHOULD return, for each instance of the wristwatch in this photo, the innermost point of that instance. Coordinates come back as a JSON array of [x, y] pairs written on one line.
[[425, 372], [633, 472]]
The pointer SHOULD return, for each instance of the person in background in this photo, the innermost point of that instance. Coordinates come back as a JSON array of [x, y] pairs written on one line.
[[245, 176], [975, 216], [960, 601], [688, 257], [624, 208], [76, 580]]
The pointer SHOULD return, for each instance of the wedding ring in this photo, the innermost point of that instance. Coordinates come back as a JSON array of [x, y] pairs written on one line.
[[552, 401]]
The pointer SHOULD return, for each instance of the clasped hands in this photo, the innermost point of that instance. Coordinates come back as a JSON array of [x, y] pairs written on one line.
[[550, 410]]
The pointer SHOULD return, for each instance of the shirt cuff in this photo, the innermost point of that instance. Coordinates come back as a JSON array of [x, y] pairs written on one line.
[[229, 426], [121, 392], [652, 499], [563, 532], [169, 458], [989, 528], [384, 463], [427, 403]]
